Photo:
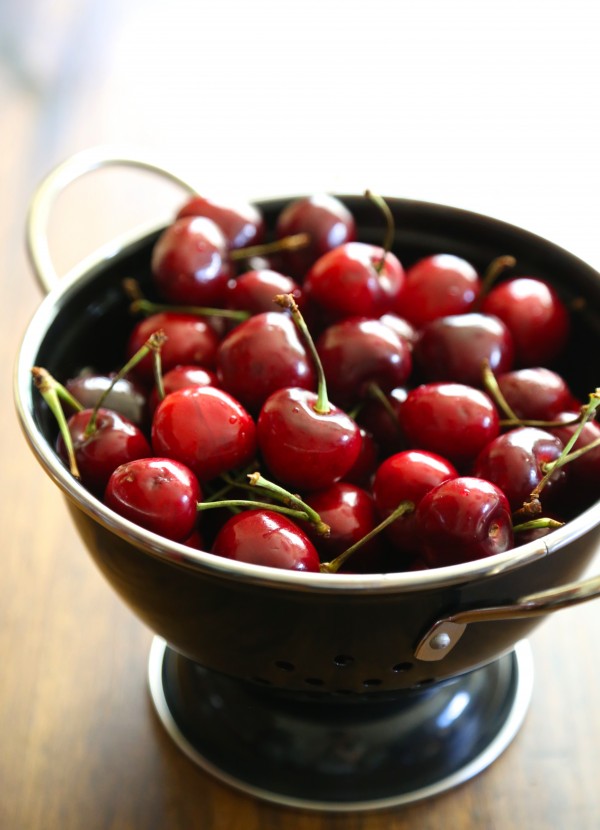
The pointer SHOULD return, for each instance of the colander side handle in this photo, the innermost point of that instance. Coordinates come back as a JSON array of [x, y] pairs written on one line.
[[445, 633], [51, 187]]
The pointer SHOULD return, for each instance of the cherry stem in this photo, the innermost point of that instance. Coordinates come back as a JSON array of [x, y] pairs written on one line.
[[153, 344], [322, 406], [491, 385], [333, 567], [491, 274], [249, 504], [566, 455], [289, 499], [294, 242], [537, 524], [388, 240], [377, 393], [141, 305], [52, 391]]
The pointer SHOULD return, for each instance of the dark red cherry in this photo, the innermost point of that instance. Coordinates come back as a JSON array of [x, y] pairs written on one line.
[[349, 511], [453, 420], [457, 347], [189, 263], [305, 449], [514, 462], [437, 286], [381, 418], [359, 352], [407, 476], [241, 223], [535, 315], [363, 469], [535, 394], [326, 220], [463, 519], [206, 429], [189, 340], [263, 537], [261, 355], [584, 471], [253, 291], [159, 494], [180, 377], [354, 279], [112, 442], [402, 327], [126, 396]]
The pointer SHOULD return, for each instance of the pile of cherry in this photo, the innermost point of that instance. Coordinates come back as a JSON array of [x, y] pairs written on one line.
[[309, 403]]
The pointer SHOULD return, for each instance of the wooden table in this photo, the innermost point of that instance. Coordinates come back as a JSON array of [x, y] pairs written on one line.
[[80, 745]]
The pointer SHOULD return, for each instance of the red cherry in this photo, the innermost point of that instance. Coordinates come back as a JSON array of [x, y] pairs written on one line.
[[402, 327], [535, 394], [358, 352], [326, 220], [159, 494], [189, 339], [451, 419], [382, 419], [535, 315], [180, 377], [407, 476], [125, 397], [514, 462], [457, 347], [584, 470], [355, 279], [363, 469], [263, 537], [349, 511], [261, 355], [463, 519], [438, 286], [206, 429], [305, 449], [112, 442], [189, 263], [241, 223], [253, 291]]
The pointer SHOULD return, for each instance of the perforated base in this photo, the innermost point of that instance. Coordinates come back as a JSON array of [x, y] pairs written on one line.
[[329, 754]]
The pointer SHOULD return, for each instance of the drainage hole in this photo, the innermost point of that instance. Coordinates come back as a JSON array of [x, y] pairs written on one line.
[[285, 665], [401, 667], [341, 660]]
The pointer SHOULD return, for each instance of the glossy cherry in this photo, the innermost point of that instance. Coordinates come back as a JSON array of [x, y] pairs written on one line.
[[463, 519], [253, 291], [535, 315], [113, 441], [263, 537], [407, 476], [536, 393], [437, 286], [362, 471], [379, 414], [206, 429], [189, 340], [241, 223], [354, 279], [514, 462], [261, 355], [181, 377], [326, 220], [190, 265], [457, 347], [125, 396], [584, 471], [359, 352], [159, 494], [453, 420]]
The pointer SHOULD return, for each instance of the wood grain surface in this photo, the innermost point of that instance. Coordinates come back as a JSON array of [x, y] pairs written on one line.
[[80, 745]]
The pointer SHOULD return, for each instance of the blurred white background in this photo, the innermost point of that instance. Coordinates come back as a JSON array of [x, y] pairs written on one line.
[[489, 106]]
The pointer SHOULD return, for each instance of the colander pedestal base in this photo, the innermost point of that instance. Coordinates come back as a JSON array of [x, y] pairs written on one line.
[[328, 752]]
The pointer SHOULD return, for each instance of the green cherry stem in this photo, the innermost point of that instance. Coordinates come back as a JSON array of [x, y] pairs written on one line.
[[388, 240], [537, 524], [141, 305], [491, 386], [294, 242], [491, 274], [333, 567], [290, 499], [249, 504], [52, 391], [376, 392], [322, 406]]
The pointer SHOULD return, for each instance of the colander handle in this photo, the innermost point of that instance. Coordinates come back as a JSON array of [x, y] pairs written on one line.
[[57, 181], [445, 633]]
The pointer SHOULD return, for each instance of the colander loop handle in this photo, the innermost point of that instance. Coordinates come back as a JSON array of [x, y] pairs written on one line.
[[445, 633], [51, 187]]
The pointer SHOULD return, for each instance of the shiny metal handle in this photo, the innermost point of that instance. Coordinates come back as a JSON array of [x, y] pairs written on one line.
[[445, 633], [57, 181]]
